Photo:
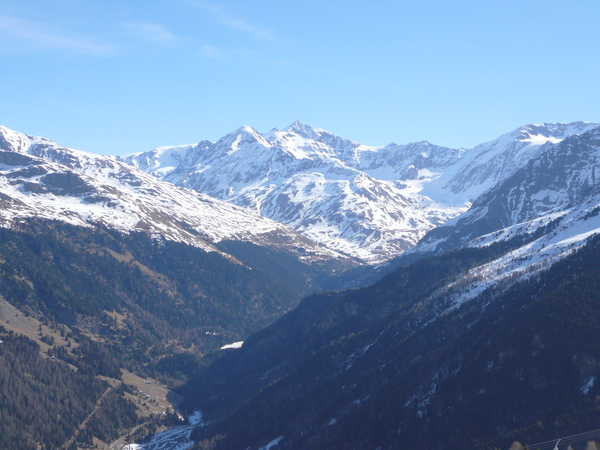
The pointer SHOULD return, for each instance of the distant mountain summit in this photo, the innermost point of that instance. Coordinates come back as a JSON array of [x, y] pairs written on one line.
[[560, 185], [368, 202], [492, 162]]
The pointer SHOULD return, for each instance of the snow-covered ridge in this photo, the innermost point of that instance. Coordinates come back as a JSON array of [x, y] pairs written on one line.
[[576, 225], [369, 202], [40, 178], [549, 207]]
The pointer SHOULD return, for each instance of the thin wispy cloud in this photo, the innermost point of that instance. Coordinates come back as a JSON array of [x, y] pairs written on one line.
[[149, 32], [18, 35], [210, 51], [229, 20], [214, 52]]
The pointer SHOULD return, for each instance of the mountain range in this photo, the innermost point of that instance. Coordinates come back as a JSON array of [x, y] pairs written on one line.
[[479, 327], [42, 179], [371, 203]]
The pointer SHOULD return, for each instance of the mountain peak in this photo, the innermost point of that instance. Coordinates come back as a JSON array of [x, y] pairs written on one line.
[[296, 126], [303, 129], [552, 131], [16, 141], [244, 130], [245, 134]]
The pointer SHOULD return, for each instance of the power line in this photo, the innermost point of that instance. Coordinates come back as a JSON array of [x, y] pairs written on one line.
[[588, 435]]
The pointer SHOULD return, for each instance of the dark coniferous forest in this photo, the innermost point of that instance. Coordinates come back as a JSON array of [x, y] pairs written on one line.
[[106, 302], [481, 376]]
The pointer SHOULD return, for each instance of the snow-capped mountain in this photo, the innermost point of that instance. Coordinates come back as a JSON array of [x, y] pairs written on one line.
[[490, 163], [308, 179], [551, 205], [40, 178], [369, 202]]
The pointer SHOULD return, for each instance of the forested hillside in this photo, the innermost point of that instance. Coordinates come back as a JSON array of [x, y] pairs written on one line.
[[393, 366], [98, 301]]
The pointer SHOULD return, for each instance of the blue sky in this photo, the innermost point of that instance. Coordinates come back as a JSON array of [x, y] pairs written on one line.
[[124, 76]]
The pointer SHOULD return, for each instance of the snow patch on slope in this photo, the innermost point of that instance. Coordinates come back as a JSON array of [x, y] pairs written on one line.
[[576, 226]]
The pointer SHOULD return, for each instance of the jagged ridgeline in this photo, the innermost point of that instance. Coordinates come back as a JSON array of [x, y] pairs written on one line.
[[368, 202]]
